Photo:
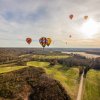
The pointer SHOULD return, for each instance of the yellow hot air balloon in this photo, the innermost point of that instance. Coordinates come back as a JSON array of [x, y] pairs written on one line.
[[49, 41]]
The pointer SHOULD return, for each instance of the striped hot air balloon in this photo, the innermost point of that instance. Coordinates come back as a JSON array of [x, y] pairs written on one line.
[[43, 41]]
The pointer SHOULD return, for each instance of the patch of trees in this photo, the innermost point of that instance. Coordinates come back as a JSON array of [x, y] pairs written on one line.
[[10, 54], [53, 62], [96, 63], [75, 60], [93, 52], [79, 56], [21, 63], [80, 61]]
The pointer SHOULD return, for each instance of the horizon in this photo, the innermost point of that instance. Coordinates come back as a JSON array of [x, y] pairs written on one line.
[[45, 48]]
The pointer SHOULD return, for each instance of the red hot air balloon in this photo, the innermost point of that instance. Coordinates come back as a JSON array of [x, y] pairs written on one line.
[[71, 16], [43, 41], [28, 40]]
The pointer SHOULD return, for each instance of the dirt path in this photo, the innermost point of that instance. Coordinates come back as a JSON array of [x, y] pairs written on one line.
[[79, 96]]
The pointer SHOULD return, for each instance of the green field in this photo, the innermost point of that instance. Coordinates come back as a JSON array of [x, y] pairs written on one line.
[[68, 77], [9, 69], [50, 56], [92, 86]]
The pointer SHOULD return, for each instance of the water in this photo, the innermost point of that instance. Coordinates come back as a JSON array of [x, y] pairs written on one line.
[[84, 54]]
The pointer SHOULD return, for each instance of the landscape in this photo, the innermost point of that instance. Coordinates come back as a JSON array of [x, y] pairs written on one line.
[[34, 74], [49, 49]]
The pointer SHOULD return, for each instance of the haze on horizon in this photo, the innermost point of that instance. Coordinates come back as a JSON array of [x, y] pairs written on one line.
[[20, 19]]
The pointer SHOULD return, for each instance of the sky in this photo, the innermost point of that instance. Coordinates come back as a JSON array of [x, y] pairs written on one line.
[[20, 19]]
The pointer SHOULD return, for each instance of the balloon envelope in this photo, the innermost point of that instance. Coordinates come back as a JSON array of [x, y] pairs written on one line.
[[85, 17], [70, 36], [43, 41], [28, 40], [71, 16], [49, 41]]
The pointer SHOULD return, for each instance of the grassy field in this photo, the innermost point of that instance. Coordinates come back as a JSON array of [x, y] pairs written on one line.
[[6, 65], [92, 86], [9, 69], [38, 64], [68, 78], [50, 56], [25, 55]]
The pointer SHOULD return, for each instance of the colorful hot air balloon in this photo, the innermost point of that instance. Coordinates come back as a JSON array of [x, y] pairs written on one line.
[[49, 41], [85, 17], [71, 16], [43, 41], [28, 40]]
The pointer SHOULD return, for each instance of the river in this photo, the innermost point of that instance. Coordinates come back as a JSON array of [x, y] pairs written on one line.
[[84, 54]]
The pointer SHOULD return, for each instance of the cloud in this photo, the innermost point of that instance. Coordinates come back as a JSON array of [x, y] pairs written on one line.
[[50, 18]]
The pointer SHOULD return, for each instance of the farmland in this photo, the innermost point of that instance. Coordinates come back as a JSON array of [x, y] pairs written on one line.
[[64, 68], [92, 86]]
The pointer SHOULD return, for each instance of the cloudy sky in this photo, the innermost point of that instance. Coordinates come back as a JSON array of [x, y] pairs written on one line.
[[20, 19]]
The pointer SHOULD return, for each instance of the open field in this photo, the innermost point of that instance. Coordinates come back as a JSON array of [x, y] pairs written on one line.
[[92, 86], [68, 78], [66, 75], [9, 69], [50, 56]]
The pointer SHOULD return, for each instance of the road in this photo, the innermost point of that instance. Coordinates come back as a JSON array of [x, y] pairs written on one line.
[[79, 96]]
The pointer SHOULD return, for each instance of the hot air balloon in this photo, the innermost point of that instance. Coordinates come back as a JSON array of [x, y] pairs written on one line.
[[49, 41], [70, 36], [28, 40], [66, 43], [43, 41], [71, 16], [85, 17]]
